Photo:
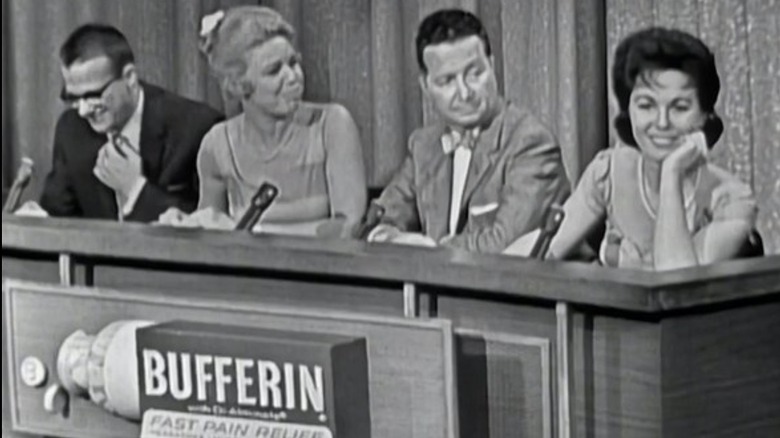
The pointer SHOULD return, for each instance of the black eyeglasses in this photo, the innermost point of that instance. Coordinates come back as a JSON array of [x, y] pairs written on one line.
[[91, 98]]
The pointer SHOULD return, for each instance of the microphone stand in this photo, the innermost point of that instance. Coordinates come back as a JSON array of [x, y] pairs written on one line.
[[552, 222], [370, 220], [23, 176]]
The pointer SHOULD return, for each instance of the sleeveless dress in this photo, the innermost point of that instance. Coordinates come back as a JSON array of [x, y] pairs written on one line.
[[611, 186], [297, 166]]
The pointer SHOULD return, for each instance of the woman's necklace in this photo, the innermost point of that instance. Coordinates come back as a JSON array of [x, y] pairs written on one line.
[[643, 191]]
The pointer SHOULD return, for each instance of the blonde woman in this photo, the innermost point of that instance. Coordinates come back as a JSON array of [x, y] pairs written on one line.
[[310, 151]]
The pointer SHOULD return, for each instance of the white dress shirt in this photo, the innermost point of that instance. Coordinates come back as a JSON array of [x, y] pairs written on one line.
[[460, 145], [132, 132]]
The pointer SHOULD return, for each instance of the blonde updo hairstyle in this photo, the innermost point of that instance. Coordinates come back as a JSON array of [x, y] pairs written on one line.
[[233, 34]]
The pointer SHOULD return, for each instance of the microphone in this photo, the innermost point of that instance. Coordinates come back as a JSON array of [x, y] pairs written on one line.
[[370, 220], [23, 176], [552, 222], [261, 200]]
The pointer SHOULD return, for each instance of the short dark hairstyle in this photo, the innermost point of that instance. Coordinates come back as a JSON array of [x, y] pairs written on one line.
[[94, 40], [658, 48], [448, 25]]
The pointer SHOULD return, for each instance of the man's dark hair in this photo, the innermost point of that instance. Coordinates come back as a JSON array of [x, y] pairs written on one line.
[[94, 40], [658, 48], [448, 25]]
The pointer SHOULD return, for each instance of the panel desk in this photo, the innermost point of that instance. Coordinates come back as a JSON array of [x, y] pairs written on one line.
[[510, 347]]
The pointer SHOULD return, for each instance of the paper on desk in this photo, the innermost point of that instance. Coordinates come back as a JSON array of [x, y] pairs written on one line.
[[522, 247], [31, 209], [414, 239]]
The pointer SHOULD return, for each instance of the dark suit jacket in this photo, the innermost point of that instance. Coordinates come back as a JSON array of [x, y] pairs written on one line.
[[515, 172], [171, 131]]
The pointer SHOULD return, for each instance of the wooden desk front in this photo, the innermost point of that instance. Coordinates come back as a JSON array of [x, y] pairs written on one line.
[[541, 349]]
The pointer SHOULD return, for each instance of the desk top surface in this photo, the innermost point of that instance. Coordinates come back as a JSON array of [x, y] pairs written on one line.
[[580, 283]]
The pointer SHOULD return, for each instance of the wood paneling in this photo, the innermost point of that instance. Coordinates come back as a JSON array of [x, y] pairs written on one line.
[[505, 366], [646, 348], [31, 269], [300, 291], [410, 373], [140, 245], [504, 385], [626, 398], [616, 366], [632, 290], [720, 373]]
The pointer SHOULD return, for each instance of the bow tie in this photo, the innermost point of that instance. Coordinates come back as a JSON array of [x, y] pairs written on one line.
[[452, 140]]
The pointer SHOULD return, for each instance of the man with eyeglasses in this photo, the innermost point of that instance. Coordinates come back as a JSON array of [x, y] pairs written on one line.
[[126, 149]]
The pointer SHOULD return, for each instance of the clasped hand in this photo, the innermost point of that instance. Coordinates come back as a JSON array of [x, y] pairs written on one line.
[[687, 157], [204, 218], [391, 234], [118, 167]]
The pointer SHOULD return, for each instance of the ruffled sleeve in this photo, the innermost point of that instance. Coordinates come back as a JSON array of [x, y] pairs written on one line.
[[733, 200], [594, 186]]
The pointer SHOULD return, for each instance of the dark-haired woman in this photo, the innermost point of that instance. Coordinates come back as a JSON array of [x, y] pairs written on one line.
[[665, 205]]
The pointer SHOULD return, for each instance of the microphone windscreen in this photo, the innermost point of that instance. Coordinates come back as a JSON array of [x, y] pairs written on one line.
[[23, 176], [260, 202]]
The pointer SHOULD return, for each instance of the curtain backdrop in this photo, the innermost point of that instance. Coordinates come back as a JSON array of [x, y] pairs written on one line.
[[552, 56], [357, 52]]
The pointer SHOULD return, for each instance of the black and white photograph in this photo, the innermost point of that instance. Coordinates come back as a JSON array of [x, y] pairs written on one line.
[[390, 218]]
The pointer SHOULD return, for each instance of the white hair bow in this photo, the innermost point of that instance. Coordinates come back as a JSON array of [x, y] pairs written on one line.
[[210, 22]]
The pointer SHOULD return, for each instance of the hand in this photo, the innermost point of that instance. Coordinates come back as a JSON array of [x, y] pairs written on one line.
[[446, 239], [414, 239], [172, 217], [211, 219], [383, 233], [118, 169], [207, 218], [689, 155]]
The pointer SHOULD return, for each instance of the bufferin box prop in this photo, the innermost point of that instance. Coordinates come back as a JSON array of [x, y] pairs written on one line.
[[261, 381], [75, 370]]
